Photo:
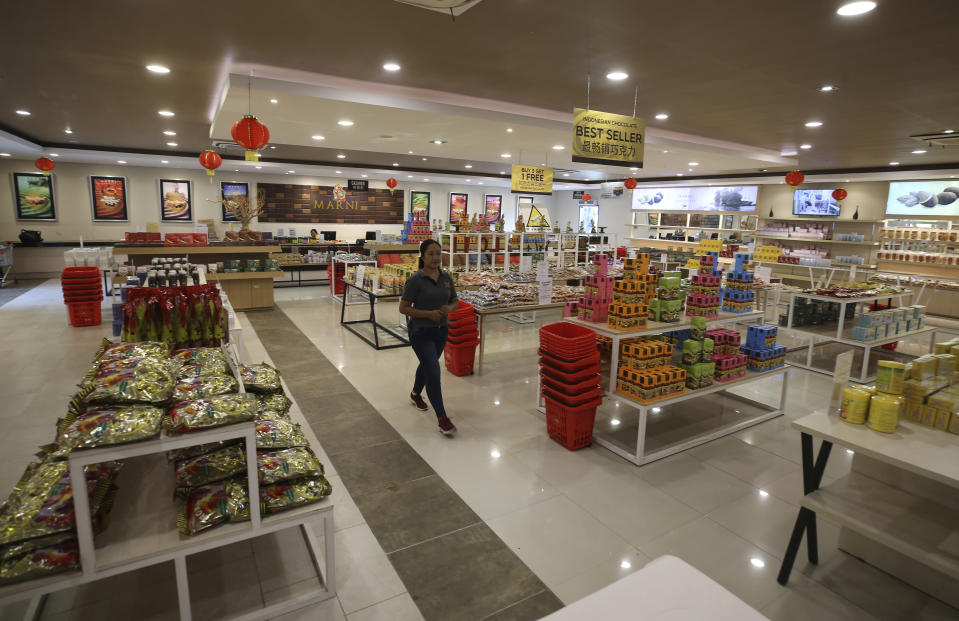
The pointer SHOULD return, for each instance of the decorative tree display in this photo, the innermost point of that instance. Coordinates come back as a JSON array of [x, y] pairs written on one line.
[[243, 208]]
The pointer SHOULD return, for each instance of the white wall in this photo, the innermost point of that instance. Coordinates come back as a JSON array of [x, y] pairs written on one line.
[[74, 209], [614, 213]]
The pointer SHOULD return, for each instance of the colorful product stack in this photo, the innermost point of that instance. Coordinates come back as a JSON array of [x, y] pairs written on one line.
[[698, 352], [886, 323], [416, 230], [729, 363], [460, 351], [667, 306], [703, 305], [768, 254], [569, 382], [808, 312], [761, 348], [82, 293], [931, 388], [649, 385], [644, 355], [594, 305], [739, 295]]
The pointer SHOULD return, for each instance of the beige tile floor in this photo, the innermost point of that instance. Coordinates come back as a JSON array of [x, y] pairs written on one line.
[[580, 520]]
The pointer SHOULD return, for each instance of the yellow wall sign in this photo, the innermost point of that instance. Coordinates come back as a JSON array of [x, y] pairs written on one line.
[[605, 138], [532, 179]]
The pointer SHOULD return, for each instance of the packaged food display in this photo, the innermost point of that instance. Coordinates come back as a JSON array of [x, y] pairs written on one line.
[[284, 464], [190, 316], [855, 405], [190, 355], [627, 316], [199, 449], [208, 505], [148, 382], [277, 434], [210, 412], [108, 426], [890, 376], [42, 556], [261, 378], [110, 350], [275, 401], [213, 466], [205, 368], [289, 494], [189, 388], [650, 384], [884, 412]]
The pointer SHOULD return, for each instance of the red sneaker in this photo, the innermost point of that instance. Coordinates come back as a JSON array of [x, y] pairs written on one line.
[[447, 428], [418, 402]]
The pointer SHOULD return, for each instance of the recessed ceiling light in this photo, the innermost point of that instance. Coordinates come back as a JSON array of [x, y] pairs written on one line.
[[425, 179], [68, 131], [662, 116], [391, 66], [409, 176], [948, 131], [274, 101], [23, 112], [558, 147], [166, 113], [805, 146], [339, 172], [694, 163], [679, 174], [364, 175], [158, 69], [54, 155], [318, 137], [757, 562], [565, 174], [259, 167], [345, 123], [919, 151], [827, 88], [505, 155], [893, 163], [171, 144], [410, 152], [509, 130], [396, 163], [341, 156], [4, 155], [468, 166], [121, 161], [291, 171], [814, 124], [164, 161], [424, 159], [437, 141], [617, 75], [856, 8]]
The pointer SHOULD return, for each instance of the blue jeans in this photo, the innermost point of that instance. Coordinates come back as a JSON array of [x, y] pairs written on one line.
[[428, 345]]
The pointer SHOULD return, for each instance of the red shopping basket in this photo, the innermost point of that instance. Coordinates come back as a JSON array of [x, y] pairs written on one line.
[[84, 313], [570, 377], [467, 321], [463, 310], [569, 365], [571, 426], [459, 357], [571, 400], [460, 339], [566, 338], [569, 389], [76, 272]]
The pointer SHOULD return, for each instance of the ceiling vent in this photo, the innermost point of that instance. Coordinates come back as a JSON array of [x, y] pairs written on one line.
[[449, 7], [227, 145], [941, 139]]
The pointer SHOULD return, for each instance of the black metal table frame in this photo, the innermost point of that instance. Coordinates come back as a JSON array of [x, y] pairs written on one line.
[[812, 471], [372, 297], [282, 284]]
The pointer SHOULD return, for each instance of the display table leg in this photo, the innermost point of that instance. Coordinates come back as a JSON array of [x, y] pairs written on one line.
[[614, 365], [482, 344], [842, 319], [81, 508], [813, 470], [865, 364], [641, 432], [792, 304], [182, 588]]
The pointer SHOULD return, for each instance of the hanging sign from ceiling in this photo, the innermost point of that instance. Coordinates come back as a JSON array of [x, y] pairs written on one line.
[[358, 185], [606, 138], [532, 179]]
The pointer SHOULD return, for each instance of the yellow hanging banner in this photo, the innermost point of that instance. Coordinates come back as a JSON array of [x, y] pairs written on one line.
[[605, 138], [532, 179]]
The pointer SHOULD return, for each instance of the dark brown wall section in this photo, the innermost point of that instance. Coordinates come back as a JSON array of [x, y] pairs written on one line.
[[315, 204]]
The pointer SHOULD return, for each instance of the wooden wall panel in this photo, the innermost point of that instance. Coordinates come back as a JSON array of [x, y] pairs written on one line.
[[315, 204]]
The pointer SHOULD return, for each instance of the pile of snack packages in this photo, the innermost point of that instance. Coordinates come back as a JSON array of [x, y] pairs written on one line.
[[179, 316], [132, 392], [924, 391]]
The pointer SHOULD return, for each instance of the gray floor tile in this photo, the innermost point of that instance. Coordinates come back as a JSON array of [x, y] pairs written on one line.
[[466, 575], [354, 432], [321, 407], [408, 513], [376, 467], [531, 609]]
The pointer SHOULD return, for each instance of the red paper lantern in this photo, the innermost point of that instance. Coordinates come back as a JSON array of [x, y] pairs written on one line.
[[210, 160], [391, 183], [839, 194], [630, 183], [45, 164], [587, 197], [251, 135], [794, 178]]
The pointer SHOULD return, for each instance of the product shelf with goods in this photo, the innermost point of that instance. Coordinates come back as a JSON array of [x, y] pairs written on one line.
[[476, 246], [337, 269], [822, 342], [819, 231], [939, 294], [724, 224], [246, 290], [814, 240], [897, 507]]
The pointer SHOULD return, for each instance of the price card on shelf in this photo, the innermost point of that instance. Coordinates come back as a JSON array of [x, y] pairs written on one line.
[[525, 263], [662, 257], [542, 271], [360, 273], [763, 273], [546, 292], [852, 272], [376, 283]]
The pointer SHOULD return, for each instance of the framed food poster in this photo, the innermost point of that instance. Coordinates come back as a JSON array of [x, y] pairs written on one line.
[[420, 204], [176, 200], [458, 212], [109, 197], [494, 207], [232, 192], [33, 196]]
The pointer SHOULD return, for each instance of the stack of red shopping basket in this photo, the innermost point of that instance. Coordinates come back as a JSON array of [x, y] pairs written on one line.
[[82, 293], [569, 380], [462, 341]]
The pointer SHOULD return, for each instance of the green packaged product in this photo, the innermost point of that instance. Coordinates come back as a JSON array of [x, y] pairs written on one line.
[[143, 349], [205, 368], [210, 412], [149, 381], [215, 503], [108, 426], [697, 328], [202, 469], [260, 378], [692, 351], [276, 434], [42, 556], [276, 401], [708, 347], [286, 464], [199, 354], [188, 388], [294, 493]]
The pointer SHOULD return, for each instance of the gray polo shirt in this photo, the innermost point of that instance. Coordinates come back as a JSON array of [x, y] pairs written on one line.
[[426, 294]]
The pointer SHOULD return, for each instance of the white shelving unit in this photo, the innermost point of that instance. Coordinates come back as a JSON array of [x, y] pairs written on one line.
[[864, 250], [689, 229], [346, 297]]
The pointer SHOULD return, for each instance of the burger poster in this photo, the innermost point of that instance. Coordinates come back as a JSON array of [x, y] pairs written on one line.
[[176, 200], [109, 199], [33, 196]]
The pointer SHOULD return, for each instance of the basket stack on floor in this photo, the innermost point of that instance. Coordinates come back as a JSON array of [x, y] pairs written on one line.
[[569, 382], [82, 293], [462, 341]]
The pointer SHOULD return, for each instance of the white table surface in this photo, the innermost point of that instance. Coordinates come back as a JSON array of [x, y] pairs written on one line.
[[666, 589]]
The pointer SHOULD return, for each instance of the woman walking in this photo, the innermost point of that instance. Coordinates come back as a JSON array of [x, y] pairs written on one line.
[[428, 298]]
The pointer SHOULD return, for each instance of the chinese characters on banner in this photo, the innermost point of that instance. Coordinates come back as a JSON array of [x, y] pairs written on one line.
[[605, 138]]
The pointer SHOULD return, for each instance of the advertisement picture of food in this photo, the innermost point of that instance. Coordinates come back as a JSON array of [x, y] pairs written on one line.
[[109, 198], [232, 193], [176, 200], [420, 204], [923, 198], [458, 212], [494, 207], [33, 196]]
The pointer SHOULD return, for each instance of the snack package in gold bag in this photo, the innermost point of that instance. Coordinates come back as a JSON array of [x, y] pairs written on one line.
[[199, 354], [148, 382], [286, 464], [276, 434], [143, 349], [210, 412], [260, 378], [203, 469], [189, 388], [108, 426], [38, 557], [276, 401], [204, 368], [273, 415], [212, 504], [200, 449], [295, 493], [163, 367]]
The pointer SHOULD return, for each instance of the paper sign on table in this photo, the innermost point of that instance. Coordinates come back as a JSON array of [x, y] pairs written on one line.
[[525, 264], [546, 292], [542, 271], [360, 274], [376, 283], [763, 273]]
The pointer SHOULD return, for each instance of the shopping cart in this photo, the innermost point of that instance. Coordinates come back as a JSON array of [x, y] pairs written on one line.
[[6, 263]]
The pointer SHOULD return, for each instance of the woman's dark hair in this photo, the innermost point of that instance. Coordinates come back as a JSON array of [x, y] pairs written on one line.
[[313, 232], [424, 246]]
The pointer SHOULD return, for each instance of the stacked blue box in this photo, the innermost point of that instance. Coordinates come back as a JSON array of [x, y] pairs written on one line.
[[739, 295], [761, 348]]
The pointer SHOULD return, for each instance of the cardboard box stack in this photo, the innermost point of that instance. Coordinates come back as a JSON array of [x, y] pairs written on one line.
[[628, 307], [761, 349], [889, 322], [698, 355], [739, 294], [730, 363], [416, 230], [667, 306], [594, 305]]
